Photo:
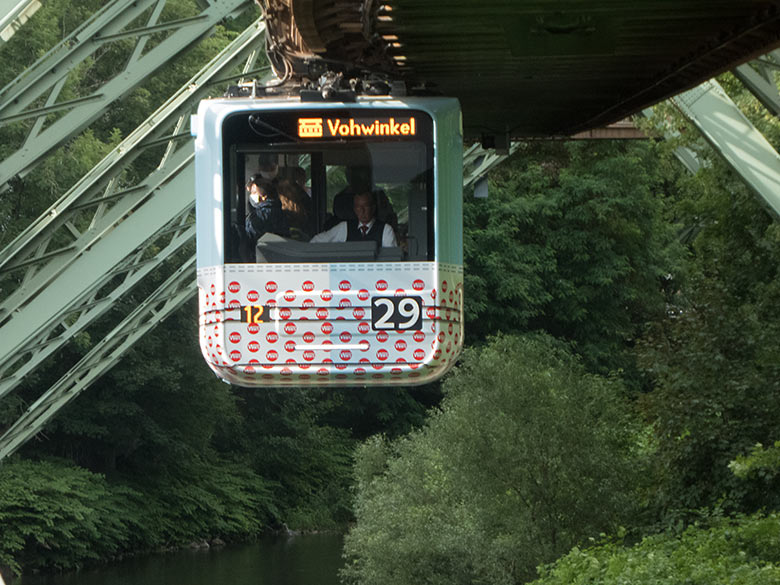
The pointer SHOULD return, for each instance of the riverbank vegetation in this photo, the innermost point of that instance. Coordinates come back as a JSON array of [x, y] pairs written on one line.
[[613, 419]]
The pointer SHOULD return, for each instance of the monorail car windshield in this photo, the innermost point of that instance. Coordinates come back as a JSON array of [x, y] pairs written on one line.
[[329, 240]]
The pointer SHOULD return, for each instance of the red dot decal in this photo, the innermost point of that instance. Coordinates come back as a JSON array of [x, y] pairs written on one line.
[[364, 327], [289, 296], [308, 337], [418, 284], [382, 354], [419, 354], [272, 337], [345, 337], [271, 286], [419, 336], [400, 345], [235, 355], [322, 313], [234, 287], [363, 294], [359, 313], [345, 355], [252, 296], [290, 328], [345, 285], [326, 295], [382, 336], [272, 356], [327, 328], [289, 346], [381, 285], [234, 337], [308, 286]]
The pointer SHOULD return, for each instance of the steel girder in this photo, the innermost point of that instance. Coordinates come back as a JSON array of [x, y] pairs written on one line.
[[129, 231], [761, 80], [13, 14], [167, 298], [20, 99], [477, 162], [735, 138]]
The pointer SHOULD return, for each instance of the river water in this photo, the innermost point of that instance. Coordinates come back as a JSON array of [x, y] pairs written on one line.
[[313, 559]]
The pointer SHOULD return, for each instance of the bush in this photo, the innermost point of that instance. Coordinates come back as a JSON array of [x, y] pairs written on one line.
[[744, 551], [56, 516], [527, 457]]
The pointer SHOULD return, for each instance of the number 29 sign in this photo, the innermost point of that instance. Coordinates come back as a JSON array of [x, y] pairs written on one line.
[[396, 313]]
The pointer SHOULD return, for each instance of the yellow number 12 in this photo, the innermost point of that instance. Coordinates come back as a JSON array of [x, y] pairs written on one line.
[[254, 313]]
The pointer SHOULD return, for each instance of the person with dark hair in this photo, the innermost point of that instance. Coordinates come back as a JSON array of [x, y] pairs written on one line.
[[265, 211], [365, 228], [296, 205]]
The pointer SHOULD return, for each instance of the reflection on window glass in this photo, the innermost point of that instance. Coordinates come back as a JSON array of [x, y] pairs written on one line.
[[292, 201]]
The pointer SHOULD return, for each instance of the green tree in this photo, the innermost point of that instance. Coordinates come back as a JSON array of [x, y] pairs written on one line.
[[571, 241], [712, 361], [742, 551], [528, 456]]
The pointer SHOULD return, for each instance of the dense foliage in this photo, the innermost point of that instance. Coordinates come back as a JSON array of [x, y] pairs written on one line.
[[526, 458], [570, 241], [745, 551], [631, 390]]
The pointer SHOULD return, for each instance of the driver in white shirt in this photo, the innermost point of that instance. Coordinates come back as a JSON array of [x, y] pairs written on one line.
[[365, 229]]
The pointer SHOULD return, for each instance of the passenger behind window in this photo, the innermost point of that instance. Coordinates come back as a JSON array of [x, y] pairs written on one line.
[[365, 227], [298, 210], [265, 214]]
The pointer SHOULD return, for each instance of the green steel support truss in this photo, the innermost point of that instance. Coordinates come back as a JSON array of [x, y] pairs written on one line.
[[65, 288], [18, 100]]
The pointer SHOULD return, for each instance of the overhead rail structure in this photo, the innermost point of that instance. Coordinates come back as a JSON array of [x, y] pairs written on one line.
[[735, 138], [14, 14], [19, 100], [65, 289], [105, 236]]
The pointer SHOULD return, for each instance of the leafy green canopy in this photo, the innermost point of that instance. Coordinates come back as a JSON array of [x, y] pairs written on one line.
[[744, 551], [570, 241], [527, 457], [713, 361]]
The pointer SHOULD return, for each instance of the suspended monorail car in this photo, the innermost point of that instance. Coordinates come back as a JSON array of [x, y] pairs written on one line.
[[307, 298]]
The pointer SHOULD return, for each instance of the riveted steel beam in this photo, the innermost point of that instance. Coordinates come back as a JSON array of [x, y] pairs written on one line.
[[735, 138], [759, 78], [179, 287], [61, 290], [14, 14], [48, 74]]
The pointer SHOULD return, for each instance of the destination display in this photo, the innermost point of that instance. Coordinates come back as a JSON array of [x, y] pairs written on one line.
[[357, 127]]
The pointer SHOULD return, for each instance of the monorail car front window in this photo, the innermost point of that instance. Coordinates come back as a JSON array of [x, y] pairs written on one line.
[[293, 196]]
